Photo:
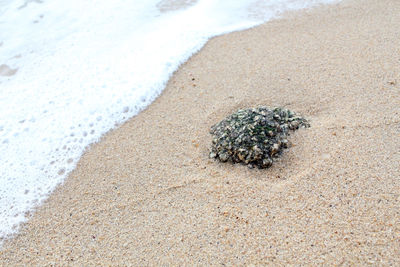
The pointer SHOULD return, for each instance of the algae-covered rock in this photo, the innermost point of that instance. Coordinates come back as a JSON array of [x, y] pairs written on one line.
[[254, 136]]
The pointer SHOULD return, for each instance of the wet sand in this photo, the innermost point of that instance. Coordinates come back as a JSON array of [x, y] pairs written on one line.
[[147, 194]]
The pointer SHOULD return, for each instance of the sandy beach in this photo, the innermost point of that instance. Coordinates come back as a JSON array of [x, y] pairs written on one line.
[[147, 193]]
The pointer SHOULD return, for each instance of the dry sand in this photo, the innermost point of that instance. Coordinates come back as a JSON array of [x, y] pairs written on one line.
[[147, 194]]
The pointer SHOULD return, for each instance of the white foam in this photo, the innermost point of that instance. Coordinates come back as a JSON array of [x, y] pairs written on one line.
[[85, 66]]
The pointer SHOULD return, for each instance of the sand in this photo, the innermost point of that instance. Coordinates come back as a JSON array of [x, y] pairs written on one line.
[[147, 194]]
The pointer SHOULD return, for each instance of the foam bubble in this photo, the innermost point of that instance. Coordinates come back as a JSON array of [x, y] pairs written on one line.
[[84, 67]]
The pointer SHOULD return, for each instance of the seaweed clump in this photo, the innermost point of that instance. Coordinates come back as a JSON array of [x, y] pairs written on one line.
[[254, 136]]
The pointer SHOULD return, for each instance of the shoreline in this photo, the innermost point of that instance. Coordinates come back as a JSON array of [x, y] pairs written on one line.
[[148, 194]]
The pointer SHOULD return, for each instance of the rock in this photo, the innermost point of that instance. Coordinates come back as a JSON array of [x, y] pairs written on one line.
[[254, 136]]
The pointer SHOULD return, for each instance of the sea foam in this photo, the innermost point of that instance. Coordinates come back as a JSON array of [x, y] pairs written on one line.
[[72, 70]]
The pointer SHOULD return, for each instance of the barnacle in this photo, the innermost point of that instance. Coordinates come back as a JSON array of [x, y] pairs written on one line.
[[254, 136]]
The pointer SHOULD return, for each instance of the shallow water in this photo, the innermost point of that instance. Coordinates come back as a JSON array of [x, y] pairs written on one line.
[[72, 70]]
